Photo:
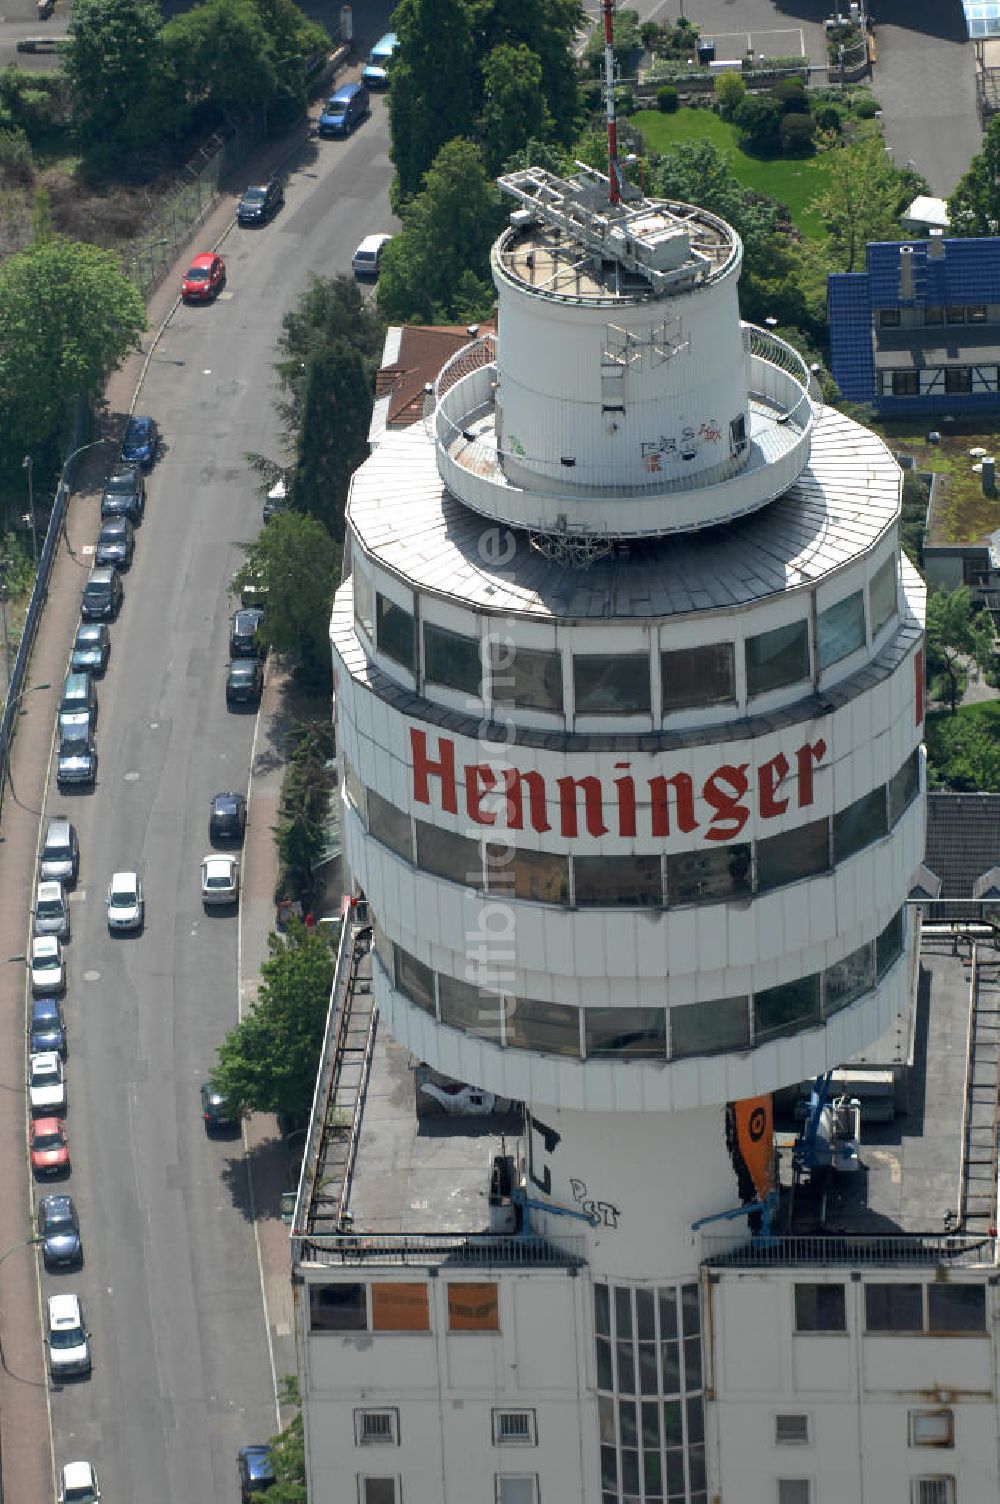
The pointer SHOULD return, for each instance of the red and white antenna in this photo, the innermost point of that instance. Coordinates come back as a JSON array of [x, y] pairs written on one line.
[[614, 172]]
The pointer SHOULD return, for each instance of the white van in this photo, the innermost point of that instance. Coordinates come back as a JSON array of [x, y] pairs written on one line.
[[368, 256]]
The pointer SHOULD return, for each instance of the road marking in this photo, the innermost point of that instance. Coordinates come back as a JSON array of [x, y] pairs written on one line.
[[91, 976], [131, 776]]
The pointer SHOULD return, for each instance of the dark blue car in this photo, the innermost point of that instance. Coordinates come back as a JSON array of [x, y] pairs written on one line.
[[46, 1030], [256, 1472], [140, 441]]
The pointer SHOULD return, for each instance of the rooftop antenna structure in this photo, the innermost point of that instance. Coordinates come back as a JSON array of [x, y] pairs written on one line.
[[614, 171]]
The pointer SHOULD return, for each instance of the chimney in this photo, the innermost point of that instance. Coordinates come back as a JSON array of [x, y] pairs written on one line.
[[906, 274], [936, 247]]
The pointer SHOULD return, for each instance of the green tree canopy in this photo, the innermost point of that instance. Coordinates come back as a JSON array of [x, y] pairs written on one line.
[[963, 751], [863, 200], [697, 172], [297, 563], [549, 28], [115, 66], [957, 634], [514, 108], [432, 86], [221, 53], [974, 207], [268, 1063]]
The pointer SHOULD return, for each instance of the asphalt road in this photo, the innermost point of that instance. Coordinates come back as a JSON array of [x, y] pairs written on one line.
[[182, 1374]]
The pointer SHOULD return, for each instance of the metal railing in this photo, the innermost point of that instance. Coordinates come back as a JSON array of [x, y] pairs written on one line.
[[847, 1251], [481, 1250]]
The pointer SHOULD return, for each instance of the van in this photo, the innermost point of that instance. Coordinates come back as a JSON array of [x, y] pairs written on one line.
[[60, 852], [368, 257], [78, 706], [344, 110], [376, 71]]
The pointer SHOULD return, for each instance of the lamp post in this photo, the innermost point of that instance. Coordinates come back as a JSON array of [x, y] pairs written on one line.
[[28, 464]]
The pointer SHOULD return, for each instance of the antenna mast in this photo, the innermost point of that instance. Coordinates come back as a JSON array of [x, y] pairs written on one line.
[[614, 172]]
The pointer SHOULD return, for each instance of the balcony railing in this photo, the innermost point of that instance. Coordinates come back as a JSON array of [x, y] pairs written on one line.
[[845, 1250], [479, 1250]]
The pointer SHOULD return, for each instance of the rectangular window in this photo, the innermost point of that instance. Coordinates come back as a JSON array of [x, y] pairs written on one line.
[[453, 660], [383, 949], [395, 632], [611, 684], [859, 825], [794, 1491], [977, 313], [376, 1428], [378, 1491], [470, 1008], [955, 313], [841, 629], [514, 1428], [905, 384], [390, 825], [791, 1430], [414, 979], [957, 379], [904, 787], [517, 1489], [338, 1308], [363, 610], [357, 794], [888, 318], [793, 855], [932, 1490], [932, 1428], [553, 1028], [737, 435], [787, 1009], [541, 876], [882, 594], [607, 881], [848, 979], [698, 876], [889, 945], [526, 678], [626, 1033], [894, 1308], [448, 855], [777, 658], [698, 676], [705, 1028], [473, 1308], [820, 1308], [933, 314], [956, 1308], [400, 1308]]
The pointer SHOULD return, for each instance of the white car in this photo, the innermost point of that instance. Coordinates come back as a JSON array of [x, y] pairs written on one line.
[[126, 905], [48, 975], [67, 1337], [46, 1084], [220, 879], [51, 912], [78, 1484]]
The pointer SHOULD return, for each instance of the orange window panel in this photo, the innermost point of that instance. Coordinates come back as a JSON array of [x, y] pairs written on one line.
[[400, 1308], [473, 1308]]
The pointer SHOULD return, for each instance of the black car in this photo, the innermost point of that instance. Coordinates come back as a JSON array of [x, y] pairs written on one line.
[[256, 1471], [260, 202], [46, 1030], [115, 542], [59, 1230], [102, 594], [76, 764], [141, 442], [91, 648], [215, 1109], [244, 637], [124, 494], [244, 682], [228, 819]]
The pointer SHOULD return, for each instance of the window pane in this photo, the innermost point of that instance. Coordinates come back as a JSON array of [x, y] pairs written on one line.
[[626, 1033], [933, 314], [668, 1311], [645, 1313], [357, 794], [630, 1473], [602, 1314], [703, 1028], [452, 660], [526, 678], [395, 632], [604, 881], [957, 379], [551, 1027], [400, 1308], [626, 1368], [652, 1475], [820, 1308], [793, 855], [697, 876], [473, 1308], [955, 313], [841, 629], [859, 824], [692, 1363], [609, 684], [415, 979], [363, 613], [390, 825], [848, 979], [337, 1308], [605, 1378], [609, 1469], [905, 384], [698, 676], [628, 1429], [623, 1311], [904, 787], [648, 1371], [606, 1417], [777, 658], [977, 313], [695, 1420], [470, 1008], [882, 594], [889, 945], [379, 1490], [542, 876], [383, 949], [449, 855], [650, 1424], [956, 1308], [786, 1009], [894, 1308], [670, 1363], [690, 1311]]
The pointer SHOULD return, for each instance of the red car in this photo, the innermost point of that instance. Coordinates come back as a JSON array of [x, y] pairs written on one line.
[[49, 1149], [204, 279]]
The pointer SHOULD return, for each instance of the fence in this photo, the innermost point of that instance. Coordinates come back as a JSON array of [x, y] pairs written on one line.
[[834, 1250]]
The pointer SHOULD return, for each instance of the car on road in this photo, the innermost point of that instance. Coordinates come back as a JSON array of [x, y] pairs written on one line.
[[46, 1084], [48, 1146], [228, 819], [204, 278], [260, 202], [126, 905], [244, 635], [124, 494], [215, 1109], [48, 974], [375, 73], [46, 1027], [91, 648], [255, 1470], [102, 594], [368, 257], [220, 879], [60, 858], [141, 441], [115, 543], [67, 1337], [50, 915], [344, 110], [276, 500], [78, 1484], [76, 764], [244, 682], [59, 1229]]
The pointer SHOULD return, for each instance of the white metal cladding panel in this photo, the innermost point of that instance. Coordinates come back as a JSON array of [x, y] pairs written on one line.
[[961, 1363], [360, 1363]]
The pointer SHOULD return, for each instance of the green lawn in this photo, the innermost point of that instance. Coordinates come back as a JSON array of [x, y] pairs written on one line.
[[793, 181]]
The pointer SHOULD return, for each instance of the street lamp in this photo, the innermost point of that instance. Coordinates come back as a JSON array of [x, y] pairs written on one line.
[[28, 464]]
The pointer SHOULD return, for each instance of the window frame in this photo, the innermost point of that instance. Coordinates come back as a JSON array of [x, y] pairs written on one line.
[[710, 662], [365, 1478], [957, 381], [942, 1414], [944, 1489], [496, 1417], [434, 647], [818, 1330], [501, 1478], [360, 1414], [467, 1285], [316, 1287], [803, 1440], [905, 383], [610, 668], [386, 611], [761, 676]]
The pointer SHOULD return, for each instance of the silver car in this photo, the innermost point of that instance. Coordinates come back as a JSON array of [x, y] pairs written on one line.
[[51, 912]]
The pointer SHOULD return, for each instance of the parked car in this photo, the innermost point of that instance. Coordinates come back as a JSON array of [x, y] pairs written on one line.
[[59, 1229], [375, 73], [46, 1028], [91, 648], [255, 1469], [344, 110], [276, 500], [244, 634], [115, 543], [228, 819], [244, 682], [60, 856], [126, 905], [141, 441], [215, 1109], [77, 707], [220, 879], [78, 1484], [48, 1146], [46, 1084], [260, 202], [51, 912], [67, 1337], [204, 278], [102, 594], [368, 257], [124, 494], [76, 764], [48, 974]]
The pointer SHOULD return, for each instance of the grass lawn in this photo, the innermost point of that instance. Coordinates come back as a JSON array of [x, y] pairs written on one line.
[[793, 181]]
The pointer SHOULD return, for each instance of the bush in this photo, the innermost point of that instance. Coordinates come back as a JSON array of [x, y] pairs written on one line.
[[650, 33], [790, 93], [828, 118], [759, 122], [17, 167], [667, 100], [730, 92], [797, 132], [625, 100], [865, 108]]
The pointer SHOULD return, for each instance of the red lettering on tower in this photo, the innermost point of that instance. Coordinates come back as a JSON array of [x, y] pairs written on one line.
[[479, 779], [424, 769], [805, 757], [769, 776], [513, 781], [659, 798], [593, 805], [626, 801], [730, 815]]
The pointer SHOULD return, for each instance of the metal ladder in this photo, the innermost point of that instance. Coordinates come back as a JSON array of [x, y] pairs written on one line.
[[978, 1188]]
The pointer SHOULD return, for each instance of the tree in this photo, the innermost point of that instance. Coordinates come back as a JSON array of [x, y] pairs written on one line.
[[549, 28], [956, 634], [432, 89], [304, 805], [296, 562], [221, 53], [514, 108], [698, 172], [268, 1063], [114, 63], [963, 751], [974, 207], [862, 201], [730, 92], [288, 1452], [334, 407], [758, 120]]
